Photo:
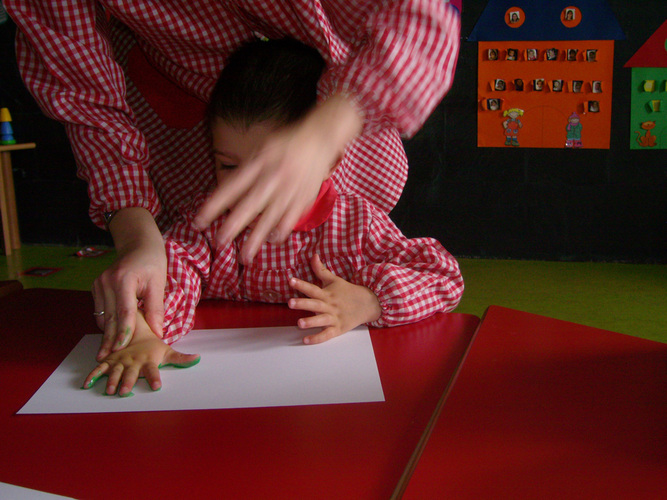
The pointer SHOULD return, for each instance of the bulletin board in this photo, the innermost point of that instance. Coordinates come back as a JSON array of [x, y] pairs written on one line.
[[648, 106], [569, 90]]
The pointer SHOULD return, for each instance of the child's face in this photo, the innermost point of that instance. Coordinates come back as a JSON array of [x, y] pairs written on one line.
[[233, 146]]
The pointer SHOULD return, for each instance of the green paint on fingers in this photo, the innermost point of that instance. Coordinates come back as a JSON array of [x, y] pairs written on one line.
[[182, 365], [124, 337], [94, 380]]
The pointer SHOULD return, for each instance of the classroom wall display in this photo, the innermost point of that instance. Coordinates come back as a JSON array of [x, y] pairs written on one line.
[[545, 71], [648, 100]]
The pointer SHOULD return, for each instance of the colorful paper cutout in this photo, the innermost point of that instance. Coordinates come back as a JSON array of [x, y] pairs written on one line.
[[593, 106], [493, 104], [573, 132], [40, 271], [649, 85], [514, 17], [648, 123], [550, 69], [645, 139], [544, 20], [570, 16], [512, 124]]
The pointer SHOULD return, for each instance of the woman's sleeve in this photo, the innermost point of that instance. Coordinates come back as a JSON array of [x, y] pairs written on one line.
[[188, 269], [412, 278], [66, 62], [403, 61]]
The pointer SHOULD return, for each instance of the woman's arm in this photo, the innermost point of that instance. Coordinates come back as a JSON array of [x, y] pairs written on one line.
[[403, 60], [66, 61]]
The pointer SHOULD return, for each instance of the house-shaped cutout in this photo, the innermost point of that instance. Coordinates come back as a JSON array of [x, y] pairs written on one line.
[[545, 71], [648, 101]]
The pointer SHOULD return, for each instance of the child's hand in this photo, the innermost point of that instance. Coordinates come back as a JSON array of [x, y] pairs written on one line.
[[142, 358], [339, 306]]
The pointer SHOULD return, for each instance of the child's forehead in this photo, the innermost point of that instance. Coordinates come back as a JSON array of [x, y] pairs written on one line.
[[239, 142]]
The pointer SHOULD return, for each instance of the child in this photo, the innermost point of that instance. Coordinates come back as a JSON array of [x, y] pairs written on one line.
[[345, 261]]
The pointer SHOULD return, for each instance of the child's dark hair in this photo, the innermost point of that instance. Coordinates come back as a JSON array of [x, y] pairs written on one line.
[[266, 80]]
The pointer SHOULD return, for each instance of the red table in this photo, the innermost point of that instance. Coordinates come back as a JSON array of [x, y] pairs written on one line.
[[324, 451], [543, 408]]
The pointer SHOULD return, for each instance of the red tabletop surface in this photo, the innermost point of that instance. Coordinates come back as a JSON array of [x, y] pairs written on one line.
[[323, 451], [543, 408]]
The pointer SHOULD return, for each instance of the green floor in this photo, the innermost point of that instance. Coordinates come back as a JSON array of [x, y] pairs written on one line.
[[626, 298]]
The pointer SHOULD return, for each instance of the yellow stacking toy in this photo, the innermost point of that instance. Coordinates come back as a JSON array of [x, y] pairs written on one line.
[[6, 131]]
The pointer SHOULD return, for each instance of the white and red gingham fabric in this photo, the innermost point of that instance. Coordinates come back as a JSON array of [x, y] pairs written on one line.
[[412, 278], [395, 58]]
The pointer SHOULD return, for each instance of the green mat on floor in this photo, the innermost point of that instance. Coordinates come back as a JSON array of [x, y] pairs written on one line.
[[626, 298]]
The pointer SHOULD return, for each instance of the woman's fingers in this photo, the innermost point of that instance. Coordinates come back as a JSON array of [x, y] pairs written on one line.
[[98, 301], [126, 312], [227, 195], [263, 229], [154, 307], [110, 323]]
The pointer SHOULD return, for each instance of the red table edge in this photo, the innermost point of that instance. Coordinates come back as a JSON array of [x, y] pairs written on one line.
[[404, 480]]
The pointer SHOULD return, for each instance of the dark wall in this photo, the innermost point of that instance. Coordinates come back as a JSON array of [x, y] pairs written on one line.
[[51, 201], [539, 203], [486, 202]]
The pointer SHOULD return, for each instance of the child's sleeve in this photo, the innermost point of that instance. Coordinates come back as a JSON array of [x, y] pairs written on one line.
[[188, 269], [412, 278]]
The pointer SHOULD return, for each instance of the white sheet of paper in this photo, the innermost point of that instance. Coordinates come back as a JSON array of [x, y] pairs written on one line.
[[11, 492], [239, 368]]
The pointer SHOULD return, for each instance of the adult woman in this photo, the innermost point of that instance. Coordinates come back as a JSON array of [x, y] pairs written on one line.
[[95, 65]]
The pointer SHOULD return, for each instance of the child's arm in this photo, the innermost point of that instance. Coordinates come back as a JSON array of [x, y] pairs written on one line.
[[413, 278], [410, 279], [143, 357], [339, 305], [189, 260]]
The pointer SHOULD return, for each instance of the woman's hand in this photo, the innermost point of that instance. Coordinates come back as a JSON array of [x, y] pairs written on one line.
[[139, 273], [282, 180]]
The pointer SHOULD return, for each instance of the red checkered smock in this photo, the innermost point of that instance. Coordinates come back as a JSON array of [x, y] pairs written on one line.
[[129, 78], [412, 278]]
